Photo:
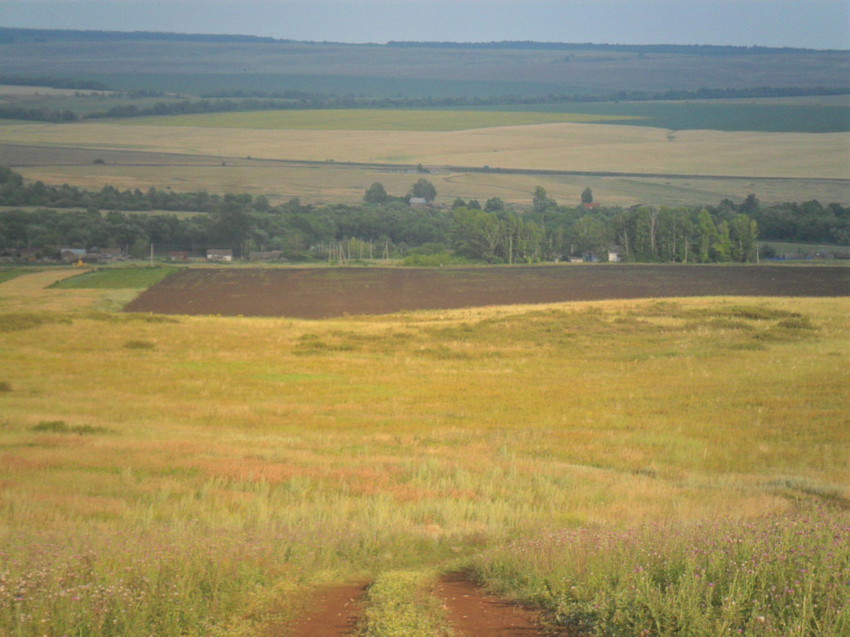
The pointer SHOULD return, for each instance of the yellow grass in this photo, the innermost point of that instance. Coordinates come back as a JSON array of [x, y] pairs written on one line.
[[342, 184], [584, 147], [417, 438]]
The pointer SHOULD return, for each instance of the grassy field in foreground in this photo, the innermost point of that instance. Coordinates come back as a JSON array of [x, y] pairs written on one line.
[[252, 459], [365, 119]]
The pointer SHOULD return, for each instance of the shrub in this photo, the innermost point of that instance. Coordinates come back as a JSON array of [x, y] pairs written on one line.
[[139, 345], [61, 427]]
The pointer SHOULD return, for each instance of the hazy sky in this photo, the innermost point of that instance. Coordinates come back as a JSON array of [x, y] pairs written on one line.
[[797, 23]]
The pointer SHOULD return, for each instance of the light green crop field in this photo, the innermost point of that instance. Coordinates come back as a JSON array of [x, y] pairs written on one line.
[[249, 460], [131, 278], [363, 119]]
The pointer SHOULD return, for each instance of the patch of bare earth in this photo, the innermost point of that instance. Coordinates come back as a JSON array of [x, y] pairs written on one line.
[[333, 612], [332, 292], [472, 612]]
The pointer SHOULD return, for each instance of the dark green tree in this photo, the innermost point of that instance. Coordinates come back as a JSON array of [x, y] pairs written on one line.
[[541, 202], [476, 234], [750, 205], [376, 194], [424, 189], [494, 204], [587, 196]]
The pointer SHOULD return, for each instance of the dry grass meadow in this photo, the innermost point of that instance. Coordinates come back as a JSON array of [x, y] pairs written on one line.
[[252, 459]]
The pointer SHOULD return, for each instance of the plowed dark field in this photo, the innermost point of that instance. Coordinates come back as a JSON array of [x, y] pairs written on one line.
[[330, 292]]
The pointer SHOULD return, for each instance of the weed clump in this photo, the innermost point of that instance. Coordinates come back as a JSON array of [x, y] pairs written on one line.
[[399, 605], [5, 387], [137, 344], [780, 575], [17, 321], [311, 344], [61, 427]]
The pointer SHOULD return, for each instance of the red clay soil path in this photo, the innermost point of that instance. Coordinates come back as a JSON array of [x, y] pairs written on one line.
[[332, 612], [330, 292], [474, 613]]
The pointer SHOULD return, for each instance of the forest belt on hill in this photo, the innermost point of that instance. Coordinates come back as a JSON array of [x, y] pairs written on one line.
[[408, 226], [228, 101]]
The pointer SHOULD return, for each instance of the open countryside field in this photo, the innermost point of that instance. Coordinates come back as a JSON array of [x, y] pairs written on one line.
[[581, 147], [320, 182], [255, 460], [199, 68], [236, 452], [333, 292], [632, 165], [829, 114], [370, 119], [338, 183]]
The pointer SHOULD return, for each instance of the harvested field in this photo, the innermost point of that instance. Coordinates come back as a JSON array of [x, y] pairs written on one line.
[[604, 148], [330, 292]]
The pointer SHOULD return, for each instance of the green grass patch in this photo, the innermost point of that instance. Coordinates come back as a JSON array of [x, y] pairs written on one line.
[[7, 274], [400, 606], [374, 119], [61, 427], [116, 279], [726, 115], [15, 321]]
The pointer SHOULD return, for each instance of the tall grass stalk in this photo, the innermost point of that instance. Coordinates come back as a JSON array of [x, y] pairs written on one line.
[[779, 575]]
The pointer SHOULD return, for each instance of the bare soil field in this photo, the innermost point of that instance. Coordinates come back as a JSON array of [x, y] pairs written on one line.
[[331, 292]]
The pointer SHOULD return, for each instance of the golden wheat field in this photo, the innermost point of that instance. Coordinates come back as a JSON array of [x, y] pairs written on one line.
[[329, 183], [583, 147], [690, 167]]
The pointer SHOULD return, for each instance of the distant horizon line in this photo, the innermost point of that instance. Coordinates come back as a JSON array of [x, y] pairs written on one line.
[[5, 32]]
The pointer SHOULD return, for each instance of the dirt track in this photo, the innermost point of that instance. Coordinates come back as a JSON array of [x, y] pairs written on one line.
[[471, 612], [330, 292], [333, 612], [474, 613]]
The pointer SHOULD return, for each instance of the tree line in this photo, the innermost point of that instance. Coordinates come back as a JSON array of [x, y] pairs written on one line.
[[494, 232]]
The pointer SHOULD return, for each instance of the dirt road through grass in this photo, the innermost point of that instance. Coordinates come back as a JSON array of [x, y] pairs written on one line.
[[333, 612], [474, 613]]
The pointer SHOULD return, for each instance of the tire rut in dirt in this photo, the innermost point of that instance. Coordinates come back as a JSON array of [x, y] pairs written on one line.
[[472, 612], [332, 612]]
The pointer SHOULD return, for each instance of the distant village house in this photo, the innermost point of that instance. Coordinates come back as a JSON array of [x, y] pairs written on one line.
[[72, 255], [267, 255], [220, 256]]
